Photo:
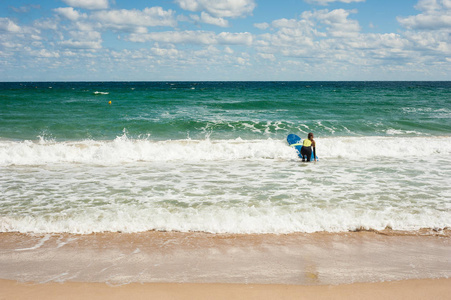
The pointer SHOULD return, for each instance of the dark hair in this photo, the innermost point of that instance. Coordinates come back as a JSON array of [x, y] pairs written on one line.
[[310, 135]]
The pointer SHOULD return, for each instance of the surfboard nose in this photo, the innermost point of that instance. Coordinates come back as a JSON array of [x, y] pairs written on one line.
[[293, 139]]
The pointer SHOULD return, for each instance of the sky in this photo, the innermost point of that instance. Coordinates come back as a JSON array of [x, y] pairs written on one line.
[[224, 40]]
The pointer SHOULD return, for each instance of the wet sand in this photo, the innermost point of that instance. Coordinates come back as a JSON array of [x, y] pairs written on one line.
[[174, 257]]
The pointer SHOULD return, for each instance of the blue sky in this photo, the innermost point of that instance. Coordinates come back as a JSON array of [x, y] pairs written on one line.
[[160, 40]]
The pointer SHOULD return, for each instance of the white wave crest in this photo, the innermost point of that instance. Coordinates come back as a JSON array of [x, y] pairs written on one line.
[[380, 147], [123, 149], [232, 220]]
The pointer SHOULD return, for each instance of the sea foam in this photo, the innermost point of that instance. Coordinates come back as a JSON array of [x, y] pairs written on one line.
[[123, 149], [226, 220], [224, 186]]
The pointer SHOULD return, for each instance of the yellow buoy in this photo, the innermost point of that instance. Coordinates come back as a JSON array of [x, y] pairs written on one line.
[[109, 102]]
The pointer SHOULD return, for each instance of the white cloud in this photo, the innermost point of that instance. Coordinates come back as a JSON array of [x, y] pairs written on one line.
[[326, 2], [431, 5], [44, 53], [337, 22], [164, 52], [135, 20], [446, 4], [241, 38], [82, 35], [435, 15], [228, 50], [267, 56], [329, 37], [323, 36], [297, 36], [25, 8], [219, 8], [84, 25], [9, 26], [206, 18], [262, 26], [241, 61], [46, 24], [8, 44], [194, 37], [336, 16], [428, 22], [378, 41], [207, 52], [88, 4], [81, 44], [429, 42], [287, 23], [69, 13], [320, 42], [301, 53], [176, 37], [83, 40]]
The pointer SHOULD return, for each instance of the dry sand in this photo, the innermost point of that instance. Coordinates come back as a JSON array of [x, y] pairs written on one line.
[[408, 289]]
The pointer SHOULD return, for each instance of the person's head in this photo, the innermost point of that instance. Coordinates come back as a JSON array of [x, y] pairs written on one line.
[[310, 136]]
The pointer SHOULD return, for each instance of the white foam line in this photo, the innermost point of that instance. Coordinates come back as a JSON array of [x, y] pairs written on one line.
[[124, 150], [61, 244], [55, 278], [38, 245]]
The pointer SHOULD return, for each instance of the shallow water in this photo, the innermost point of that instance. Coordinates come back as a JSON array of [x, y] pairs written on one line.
[[306, 259], [212, 157]]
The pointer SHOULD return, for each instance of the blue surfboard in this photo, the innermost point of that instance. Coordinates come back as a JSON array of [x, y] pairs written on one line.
[[295, 142]]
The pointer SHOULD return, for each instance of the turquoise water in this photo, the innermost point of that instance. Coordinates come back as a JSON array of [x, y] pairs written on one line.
[[222, 110], [212, 156]]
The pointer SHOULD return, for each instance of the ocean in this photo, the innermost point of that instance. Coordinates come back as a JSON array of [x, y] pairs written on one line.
[[89, 157]]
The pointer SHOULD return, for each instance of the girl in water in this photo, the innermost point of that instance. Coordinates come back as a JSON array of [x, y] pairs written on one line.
[[307, 145]]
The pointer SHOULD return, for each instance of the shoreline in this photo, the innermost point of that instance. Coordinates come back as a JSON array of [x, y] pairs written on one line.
[[175, 257], [405, 289], [427, 231]]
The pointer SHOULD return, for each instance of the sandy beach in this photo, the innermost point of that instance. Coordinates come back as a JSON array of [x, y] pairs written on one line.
[[408, 289], [173, 265]]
